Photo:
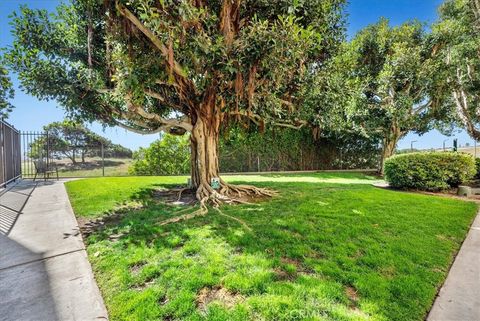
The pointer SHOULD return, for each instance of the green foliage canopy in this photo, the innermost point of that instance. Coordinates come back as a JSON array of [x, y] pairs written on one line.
[[149, 65], [6, 93], [456, 42], [390, 69]]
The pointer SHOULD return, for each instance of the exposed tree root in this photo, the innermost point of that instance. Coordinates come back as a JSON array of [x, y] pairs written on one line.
[[200, 212], [227, 194], [180, 191], [245, 225], [248, 190], [230, 194]]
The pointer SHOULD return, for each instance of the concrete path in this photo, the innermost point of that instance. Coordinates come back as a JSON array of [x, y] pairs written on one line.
[[459, 298], [44, 270]]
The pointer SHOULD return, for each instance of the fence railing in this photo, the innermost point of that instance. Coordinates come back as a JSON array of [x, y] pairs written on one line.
[[70, 160], [10, 154]]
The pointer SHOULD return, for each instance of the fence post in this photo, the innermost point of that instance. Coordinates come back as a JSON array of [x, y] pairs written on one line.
[[3, 168], [103, 161], [258, 163], [48, 150], [10, 166], [12, 155]]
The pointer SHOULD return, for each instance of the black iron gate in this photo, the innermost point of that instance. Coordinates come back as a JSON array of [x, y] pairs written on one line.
[[35, 150], [56, 155], [10, 155]]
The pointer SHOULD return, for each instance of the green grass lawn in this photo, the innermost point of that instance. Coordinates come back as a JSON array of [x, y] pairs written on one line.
[[328, 247]]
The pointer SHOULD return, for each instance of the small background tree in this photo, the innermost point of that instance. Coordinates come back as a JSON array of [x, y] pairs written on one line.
[[391, 69], [72, 140]]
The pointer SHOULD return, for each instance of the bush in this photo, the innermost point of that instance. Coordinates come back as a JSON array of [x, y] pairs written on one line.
[[169, 155], [431, 171], [477, 165]]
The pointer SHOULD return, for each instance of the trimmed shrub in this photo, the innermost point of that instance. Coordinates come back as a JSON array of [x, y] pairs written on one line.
[[477, 164], [431, 171]]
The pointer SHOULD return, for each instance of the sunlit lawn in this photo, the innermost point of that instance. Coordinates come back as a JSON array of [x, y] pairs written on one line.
[[329, 247]]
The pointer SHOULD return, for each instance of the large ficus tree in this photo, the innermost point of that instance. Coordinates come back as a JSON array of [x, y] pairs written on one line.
[[180, 66], [391, 69], [456, 41]]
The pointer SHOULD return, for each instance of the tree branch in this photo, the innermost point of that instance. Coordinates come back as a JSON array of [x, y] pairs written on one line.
[[421, 108], [175, 66], [162, 99], [253, 117], [257, 119], [167, 123], [136, 130], [287, 125], [461, 103]]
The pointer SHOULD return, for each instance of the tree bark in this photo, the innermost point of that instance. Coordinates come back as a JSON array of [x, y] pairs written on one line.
[[461, 101], [389, 144], [204, 140], [71, 156], [204, 156], [387, 151]]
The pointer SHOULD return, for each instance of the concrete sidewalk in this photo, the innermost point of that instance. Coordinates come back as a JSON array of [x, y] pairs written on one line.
[[459, 297], [44, 270]]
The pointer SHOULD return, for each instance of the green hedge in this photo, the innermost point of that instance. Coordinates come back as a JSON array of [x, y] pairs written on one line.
[[477, 164], [430, 171]]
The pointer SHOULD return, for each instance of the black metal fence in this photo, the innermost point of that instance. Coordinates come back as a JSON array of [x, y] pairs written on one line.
[[10, 154], [70, 160]]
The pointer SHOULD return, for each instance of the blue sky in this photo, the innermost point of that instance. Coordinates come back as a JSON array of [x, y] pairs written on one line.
[[32, 114]]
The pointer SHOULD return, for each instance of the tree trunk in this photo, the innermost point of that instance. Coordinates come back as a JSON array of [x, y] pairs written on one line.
[[70, 156], [389, 144], [204, 160], [387, 151], [461, 101]]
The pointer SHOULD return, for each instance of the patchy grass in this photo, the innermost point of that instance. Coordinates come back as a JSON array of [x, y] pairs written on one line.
[[329, 247]]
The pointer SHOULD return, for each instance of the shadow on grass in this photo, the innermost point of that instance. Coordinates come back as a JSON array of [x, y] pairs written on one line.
[[374, 253], [217, 252], [145, 207]]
